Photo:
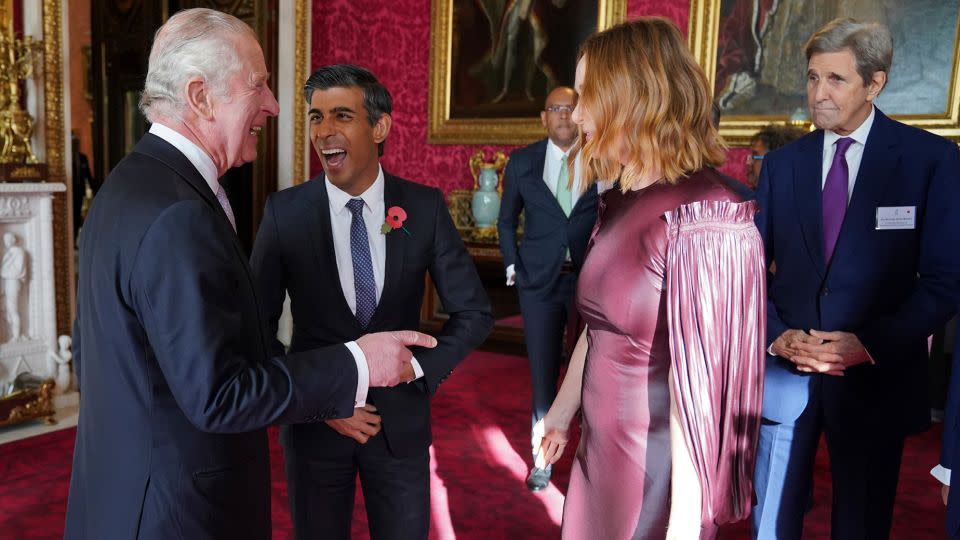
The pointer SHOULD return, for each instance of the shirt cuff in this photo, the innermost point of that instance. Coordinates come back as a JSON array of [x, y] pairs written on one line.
[[942, 474], [770, 350], [363, 373], [417, 370]]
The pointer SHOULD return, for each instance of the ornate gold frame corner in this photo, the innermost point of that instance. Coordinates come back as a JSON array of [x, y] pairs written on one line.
[[738, 130], [441, 129]]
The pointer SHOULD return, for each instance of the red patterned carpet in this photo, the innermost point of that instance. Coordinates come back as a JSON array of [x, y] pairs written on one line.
[[480, 441]]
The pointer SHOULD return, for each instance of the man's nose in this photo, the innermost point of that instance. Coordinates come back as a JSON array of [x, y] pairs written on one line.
[[271, 105], [819, 92], [322, 129]]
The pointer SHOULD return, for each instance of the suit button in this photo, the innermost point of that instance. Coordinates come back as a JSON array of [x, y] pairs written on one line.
[[825, 291]]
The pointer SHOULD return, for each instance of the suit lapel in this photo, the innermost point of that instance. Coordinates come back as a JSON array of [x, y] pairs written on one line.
[[534, 175], [807, 180], [880, 157], [396, 245], [160, 149], [587, 197], [322, 237]]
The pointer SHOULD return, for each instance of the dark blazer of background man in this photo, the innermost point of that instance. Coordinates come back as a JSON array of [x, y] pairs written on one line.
[[305, 247], [175, 368], [848, 326], [544, 265]]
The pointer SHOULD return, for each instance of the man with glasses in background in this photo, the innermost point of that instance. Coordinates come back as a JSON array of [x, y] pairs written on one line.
[[768, 139], [545, 263]]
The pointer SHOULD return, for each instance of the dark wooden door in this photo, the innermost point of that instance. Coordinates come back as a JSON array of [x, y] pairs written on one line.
[[122, 36]]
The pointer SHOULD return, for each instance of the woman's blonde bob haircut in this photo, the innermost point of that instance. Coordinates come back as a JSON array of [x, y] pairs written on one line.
[[642, 86]]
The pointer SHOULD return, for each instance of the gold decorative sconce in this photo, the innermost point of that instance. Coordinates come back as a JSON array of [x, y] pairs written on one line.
[[18, 58]]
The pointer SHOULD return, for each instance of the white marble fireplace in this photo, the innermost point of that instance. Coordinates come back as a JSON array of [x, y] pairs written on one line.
[[28, 327]]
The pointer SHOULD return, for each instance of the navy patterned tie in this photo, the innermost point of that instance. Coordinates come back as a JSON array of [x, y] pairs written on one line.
[[363, 282]]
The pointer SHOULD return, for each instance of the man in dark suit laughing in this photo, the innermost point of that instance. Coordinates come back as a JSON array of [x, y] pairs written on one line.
[[352, 248]]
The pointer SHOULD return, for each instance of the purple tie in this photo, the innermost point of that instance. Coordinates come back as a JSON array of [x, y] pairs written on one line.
[[834, 197]]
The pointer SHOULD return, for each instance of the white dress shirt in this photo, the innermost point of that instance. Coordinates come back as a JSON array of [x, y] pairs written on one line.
[[374, 216], [204, 165], [553, 160], [200, 160], [854, 153]]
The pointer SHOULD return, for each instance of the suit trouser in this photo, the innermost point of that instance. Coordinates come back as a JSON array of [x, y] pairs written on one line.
[[396, 492], [543, 324], [864, 468]]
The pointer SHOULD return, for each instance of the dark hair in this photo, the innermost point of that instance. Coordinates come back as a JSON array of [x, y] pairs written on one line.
[[376, 97], [774, 136]]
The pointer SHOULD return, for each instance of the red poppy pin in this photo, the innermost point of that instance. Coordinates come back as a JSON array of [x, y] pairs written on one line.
[[395, 218]]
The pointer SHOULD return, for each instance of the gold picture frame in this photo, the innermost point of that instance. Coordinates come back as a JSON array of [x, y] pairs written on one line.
[[56, 158], [444, 129], [737, 127]]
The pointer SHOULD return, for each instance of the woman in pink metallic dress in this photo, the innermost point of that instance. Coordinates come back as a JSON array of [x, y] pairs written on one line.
[[669, 372]]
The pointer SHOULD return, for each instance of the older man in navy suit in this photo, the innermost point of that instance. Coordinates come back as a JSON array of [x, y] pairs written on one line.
[[544, 266], [176, 373], [860, 218]]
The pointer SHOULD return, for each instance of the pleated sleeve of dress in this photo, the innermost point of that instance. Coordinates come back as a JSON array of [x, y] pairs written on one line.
[[716, 312]]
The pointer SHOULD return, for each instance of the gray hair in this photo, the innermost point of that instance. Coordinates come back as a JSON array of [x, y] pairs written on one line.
[[870, 43], [193, 43]]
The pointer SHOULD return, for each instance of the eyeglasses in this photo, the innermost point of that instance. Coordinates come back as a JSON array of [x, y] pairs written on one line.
[[560, 109]]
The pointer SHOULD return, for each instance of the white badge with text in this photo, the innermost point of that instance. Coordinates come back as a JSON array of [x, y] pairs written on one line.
[[893, 218]]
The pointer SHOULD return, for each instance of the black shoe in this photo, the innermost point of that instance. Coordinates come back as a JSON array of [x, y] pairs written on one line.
[[539, 479]]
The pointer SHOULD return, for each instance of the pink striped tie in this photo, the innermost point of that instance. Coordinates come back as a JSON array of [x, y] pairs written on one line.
[[225, 203]]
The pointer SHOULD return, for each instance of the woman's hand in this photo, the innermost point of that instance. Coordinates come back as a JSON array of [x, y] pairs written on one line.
[[550, 437], [551, 433]]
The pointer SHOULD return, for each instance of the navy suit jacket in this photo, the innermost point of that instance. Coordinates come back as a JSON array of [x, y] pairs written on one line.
[[950, 452], [176, 378], [892, 288], [294, 253], [547, 231]]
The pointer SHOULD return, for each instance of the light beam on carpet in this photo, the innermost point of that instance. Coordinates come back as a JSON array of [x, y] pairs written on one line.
[[499, 449], [440, 520]]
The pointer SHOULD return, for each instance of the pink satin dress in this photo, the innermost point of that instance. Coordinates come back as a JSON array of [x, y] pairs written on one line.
[[673, 292]]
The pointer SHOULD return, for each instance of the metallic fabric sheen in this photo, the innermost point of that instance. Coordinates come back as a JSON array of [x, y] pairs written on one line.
[[695, 242]]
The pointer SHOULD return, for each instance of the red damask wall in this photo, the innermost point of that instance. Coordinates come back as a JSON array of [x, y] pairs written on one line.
[[392, 39]]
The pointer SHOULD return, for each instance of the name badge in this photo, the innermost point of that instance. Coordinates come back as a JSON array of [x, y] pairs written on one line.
[[892, 218]]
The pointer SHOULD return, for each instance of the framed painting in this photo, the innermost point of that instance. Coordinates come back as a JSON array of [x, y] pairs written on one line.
[[752, 52], [492, 63]]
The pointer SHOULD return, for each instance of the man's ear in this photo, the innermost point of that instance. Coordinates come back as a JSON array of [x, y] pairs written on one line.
[[876, 84], [382, 128], [198, 98]]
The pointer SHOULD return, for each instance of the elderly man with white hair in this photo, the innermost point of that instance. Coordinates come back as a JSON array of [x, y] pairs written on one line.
[[173, 362], [860, 220]]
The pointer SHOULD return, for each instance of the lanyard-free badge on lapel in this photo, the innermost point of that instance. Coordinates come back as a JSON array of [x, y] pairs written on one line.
[[892, 218], [395, 218]]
